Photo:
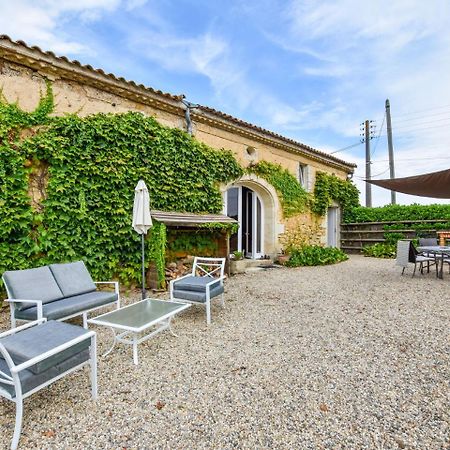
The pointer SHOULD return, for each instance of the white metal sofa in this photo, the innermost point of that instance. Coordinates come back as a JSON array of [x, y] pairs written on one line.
[[56, 292], [202, 285], [36, 354]]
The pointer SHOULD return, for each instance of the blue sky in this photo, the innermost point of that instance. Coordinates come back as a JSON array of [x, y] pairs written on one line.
[[312, 71]]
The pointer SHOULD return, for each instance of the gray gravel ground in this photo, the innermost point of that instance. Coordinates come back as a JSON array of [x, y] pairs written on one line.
[[350, 356]]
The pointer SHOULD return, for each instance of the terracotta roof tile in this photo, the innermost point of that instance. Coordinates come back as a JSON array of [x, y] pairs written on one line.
[[273, 134], [207, 109], [88, 67]]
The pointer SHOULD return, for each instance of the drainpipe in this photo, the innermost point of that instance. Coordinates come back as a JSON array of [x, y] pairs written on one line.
[[187, 114]]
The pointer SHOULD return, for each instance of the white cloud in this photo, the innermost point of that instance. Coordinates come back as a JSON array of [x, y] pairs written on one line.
[[42, 22]]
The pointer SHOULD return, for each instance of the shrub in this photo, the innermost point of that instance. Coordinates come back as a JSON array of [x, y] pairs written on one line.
[[392, 238], [315, 255], [394, 213], [380, 250]]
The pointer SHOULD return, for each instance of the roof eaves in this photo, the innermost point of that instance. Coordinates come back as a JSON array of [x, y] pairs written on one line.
[[6, 43], [294, 145]]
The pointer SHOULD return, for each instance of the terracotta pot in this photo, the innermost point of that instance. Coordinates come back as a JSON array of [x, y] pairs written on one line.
[[283, 259]]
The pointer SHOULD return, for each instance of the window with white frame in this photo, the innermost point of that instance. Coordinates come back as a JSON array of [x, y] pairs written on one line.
[[303, 174]]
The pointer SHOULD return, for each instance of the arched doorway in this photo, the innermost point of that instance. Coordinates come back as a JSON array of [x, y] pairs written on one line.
[[246, 206]]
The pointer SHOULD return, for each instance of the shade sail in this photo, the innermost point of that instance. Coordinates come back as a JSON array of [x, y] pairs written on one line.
[[435, 184]]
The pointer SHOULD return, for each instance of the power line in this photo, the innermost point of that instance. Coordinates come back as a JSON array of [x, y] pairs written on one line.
[[346, 148], [421, 117], [422, 123], [378, 137], [414, 159], [423, 110], [373, 176]]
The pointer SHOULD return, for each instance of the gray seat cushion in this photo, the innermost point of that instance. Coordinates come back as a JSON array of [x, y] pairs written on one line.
[[196, 296], [192, 283], [37, 340], [32, 284], [72, 278], [30, 380], [69, 306]]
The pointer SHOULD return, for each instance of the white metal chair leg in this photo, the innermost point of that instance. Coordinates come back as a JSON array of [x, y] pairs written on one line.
[[13, 319], [18, 426], [85, 325], [222, 300], [93, 363], [208, 313]]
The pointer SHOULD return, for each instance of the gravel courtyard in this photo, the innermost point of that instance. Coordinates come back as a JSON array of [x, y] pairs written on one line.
[[349, 356]]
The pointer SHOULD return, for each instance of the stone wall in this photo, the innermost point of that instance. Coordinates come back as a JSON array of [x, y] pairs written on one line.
[[77, 93]]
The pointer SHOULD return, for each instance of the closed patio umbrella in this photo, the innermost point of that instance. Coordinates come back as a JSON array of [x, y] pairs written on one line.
[[142, 220]]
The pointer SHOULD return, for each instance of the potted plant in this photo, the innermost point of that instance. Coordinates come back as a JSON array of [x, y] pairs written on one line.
[[237, 262], [283, 257]]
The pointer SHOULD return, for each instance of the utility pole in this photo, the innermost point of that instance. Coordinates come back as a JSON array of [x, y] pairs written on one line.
[[368, 174], [390, 147]]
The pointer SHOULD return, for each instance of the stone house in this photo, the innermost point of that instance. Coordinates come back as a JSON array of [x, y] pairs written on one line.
[[251, 200]]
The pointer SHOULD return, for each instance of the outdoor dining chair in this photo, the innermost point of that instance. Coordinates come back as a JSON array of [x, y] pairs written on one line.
[[38, 353], [407, 253], [203, 284]]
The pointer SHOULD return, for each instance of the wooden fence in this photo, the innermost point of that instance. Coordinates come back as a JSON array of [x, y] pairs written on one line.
[[355, 236]]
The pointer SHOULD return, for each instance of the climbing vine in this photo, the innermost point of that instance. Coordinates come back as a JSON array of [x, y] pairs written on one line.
[[87, 169], [93, 165], [294, 199], [200, 242], [157, 250], [229, 228], [328, 188]]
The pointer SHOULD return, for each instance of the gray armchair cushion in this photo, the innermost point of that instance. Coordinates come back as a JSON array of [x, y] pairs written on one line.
[[196, 296], [69, 306], [32, 284], [72, 278], [30, 380], [426, 242], [39, 339], [197, 284]]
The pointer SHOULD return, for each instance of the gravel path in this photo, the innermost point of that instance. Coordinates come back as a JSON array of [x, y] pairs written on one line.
[[350, 356]]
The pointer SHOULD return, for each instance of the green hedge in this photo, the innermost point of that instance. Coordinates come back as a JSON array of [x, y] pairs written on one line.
[[393, 213]]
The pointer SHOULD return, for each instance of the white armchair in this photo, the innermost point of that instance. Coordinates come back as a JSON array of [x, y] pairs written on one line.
[[202, 285]]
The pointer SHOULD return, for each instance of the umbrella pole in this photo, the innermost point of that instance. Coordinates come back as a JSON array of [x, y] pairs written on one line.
[[143, 266]]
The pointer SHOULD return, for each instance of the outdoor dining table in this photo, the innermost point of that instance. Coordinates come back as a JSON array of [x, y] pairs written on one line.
[[440, 252]]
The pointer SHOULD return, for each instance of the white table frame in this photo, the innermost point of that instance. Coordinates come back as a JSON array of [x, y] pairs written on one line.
[[130, 335]]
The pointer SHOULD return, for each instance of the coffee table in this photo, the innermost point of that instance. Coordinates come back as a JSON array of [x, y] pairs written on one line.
[[140, 317]]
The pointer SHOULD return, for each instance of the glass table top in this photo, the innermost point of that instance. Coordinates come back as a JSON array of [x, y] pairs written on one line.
[[140, 315]]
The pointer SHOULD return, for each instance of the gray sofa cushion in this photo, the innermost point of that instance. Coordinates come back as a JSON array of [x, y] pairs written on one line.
[[72, 278], [39, 339], [69, 306], [32, 284], [192, 283], [30, 380], [196, 296]]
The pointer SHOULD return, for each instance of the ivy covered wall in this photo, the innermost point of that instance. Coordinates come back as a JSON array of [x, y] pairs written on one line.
[[87, 196], [80, 174]]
